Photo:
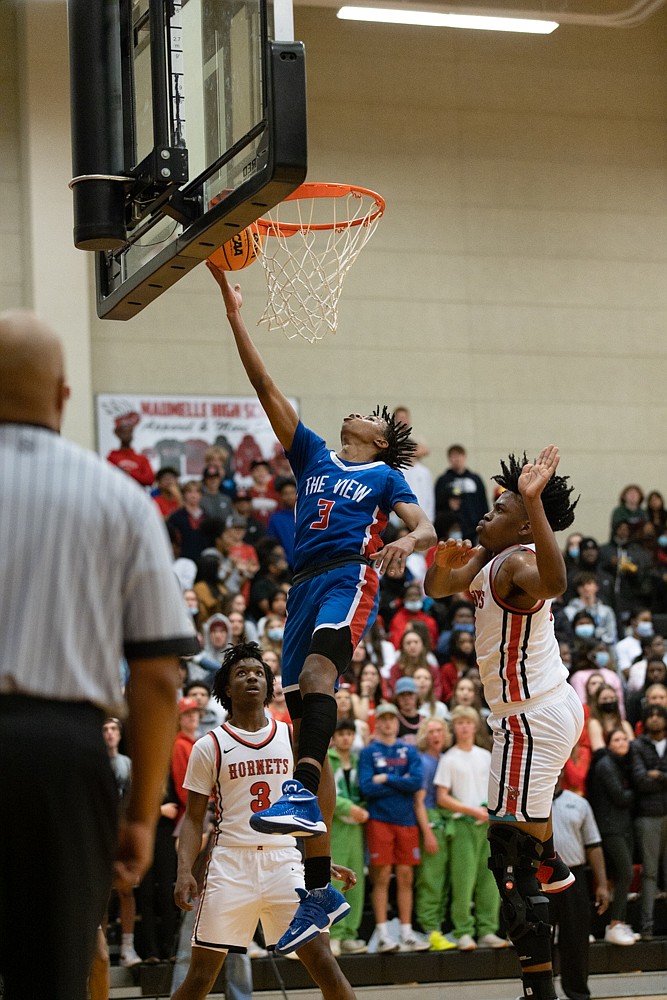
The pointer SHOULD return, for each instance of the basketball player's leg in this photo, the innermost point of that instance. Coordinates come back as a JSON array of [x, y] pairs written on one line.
[[326, 619], [528, 753], [346, 609], [330, 904], [324, 969], [205, 966]]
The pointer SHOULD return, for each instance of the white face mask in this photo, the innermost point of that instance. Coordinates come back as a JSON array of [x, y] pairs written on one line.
[[413, 605]]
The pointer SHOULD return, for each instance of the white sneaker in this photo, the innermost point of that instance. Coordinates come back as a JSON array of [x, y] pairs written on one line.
[[629, 929], [466, 943], [414, 942], [385, 944], [492, 941], [618, 934], [353, 946], [129, 958], [335, 947]]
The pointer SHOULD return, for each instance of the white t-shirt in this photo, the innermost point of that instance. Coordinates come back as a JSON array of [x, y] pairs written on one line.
[[466, 774]]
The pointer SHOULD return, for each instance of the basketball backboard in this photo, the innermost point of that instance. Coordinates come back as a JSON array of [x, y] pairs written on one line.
[[203, 130]]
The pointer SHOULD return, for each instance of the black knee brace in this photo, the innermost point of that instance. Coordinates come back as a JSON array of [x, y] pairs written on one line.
[[515, 858], [335, 644]]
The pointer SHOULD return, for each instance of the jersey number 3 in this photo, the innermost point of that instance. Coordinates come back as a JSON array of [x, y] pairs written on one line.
[[324, 507], [262, 796]]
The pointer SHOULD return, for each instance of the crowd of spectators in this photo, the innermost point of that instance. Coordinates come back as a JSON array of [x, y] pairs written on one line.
[[411, 746]]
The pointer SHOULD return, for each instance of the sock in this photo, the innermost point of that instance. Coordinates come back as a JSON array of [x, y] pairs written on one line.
[[406, 930], [381, 929], [127, 941], [317, 872], [308, 775], [548, 849]]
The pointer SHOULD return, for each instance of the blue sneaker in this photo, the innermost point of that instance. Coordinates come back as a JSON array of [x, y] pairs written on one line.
[[296, 812], [317, 911]]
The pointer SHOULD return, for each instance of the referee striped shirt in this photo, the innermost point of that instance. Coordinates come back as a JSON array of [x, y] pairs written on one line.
[[85, 573], [575, 828]]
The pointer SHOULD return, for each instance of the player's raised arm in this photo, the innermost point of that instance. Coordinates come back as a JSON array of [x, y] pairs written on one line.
[[454, 567], [545, 576], [279, 410]]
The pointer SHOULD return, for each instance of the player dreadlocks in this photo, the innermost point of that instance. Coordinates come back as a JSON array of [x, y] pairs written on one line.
[[555, 496], [401, 448]]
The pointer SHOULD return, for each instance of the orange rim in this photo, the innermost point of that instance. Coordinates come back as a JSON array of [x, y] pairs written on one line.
[[312, 190]]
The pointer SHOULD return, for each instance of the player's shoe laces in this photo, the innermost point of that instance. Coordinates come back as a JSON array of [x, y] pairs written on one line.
[[554, 875], [316, 912], [296, 812]]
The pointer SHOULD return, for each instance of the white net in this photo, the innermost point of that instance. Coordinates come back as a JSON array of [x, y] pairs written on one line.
[[311, 241]]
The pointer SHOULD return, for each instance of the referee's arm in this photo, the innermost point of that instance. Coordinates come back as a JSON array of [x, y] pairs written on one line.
[[151, 698]]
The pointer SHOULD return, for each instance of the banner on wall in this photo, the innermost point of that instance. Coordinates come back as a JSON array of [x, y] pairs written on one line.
[[177, 430]]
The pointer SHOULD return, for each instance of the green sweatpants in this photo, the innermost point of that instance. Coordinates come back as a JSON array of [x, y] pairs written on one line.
[[471, 880], [347, 848], [431, 878]]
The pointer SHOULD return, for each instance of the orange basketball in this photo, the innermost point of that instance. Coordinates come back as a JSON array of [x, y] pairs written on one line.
[[240, 251]]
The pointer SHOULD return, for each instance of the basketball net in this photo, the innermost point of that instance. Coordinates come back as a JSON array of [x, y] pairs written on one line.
[[312, 239]]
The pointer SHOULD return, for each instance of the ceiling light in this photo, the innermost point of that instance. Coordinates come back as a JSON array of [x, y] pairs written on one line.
[[388, 15]]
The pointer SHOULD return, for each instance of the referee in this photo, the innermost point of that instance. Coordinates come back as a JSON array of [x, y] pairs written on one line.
[[85, 578]]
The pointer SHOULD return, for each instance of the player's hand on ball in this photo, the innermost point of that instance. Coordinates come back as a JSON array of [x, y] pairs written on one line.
[[232, 296]]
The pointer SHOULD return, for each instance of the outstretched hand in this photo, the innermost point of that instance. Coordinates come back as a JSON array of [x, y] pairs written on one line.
[[232, 296], [455, 553], [535, 475]]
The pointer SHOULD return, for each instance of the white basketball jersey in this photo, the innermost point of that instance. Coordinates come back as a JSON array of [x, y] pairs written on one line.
[[244, 772], [517, 652]]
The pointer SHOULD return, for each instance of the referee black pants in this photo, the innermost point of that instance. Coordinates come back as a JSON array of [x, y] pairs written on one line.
[[571, 911], [58, 814]]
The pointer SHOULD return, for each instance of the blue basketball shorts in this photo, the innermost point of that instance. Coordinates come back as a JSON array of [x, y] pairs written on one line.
[[344, 597]]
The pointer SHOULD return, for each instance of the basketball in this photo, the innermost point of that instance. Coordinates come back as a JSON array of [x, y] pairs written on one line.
[[240, 251]]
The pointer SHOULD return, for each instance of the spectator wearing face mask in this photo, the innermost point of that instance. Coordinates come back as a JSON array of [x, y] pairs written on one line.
[[593, 657], [271, 636], [629, 648], [605, 717], [412, 610], [588, 599]]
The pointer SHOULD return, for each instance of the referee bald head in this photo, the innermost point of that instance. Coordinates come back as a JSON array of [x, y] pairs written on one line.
[[33, 388]]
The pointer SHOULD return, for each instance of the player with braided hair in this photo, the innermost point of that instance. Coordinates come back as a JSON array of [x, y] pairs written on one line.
[[401, 448], [536, 717], [344, 500]]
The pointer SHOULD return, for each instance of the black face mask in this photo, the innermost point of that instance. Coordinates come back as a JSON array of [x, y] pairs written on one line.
[[609, 706]]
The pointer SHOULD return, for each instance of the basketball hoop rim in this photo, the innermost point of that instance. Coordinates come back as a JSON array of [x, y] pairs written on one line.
[[322, 190]]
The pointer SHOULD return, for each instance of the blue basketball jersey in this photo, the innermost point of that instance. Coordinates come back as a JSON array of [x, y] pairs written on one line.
[[342, 507]]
